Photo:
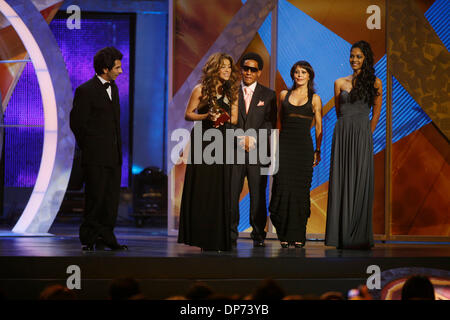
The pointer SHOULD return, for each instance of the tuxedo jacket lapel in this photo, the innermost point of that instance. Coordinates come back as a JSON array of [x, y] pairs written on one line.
[[102, 89], [241, 105], [115, 102]]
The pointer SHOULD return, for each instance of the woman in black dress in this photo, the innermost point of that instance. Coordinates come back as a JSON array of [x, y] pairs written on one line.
[[204, 211], [290, 203], [351, 184]]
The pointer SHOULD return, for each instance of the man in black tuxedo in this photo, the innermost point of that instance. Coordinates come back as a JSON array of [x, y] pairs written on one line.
[[95, 122], [257, 110]]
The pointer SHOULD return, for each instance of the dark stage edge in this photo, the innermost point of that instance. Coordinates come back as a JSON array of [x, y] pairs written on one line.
[[165, 268]]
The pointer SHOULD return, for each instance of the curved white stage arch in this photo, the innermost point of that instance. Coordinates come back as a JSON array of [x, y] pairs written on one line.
[[56, 92]]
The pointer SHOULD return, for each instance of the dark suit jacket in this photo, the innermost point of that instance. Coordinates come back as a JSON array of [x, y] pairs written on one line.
[[262, 113], [95, 122]]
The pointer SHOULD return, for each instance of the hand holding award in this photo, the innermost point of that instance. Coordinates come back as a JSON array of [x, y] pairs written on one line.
[[218, 115]]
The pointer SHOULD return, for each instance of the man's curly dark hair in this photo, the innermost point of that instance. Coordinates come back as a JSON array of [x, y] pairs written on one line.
[[105, 59]]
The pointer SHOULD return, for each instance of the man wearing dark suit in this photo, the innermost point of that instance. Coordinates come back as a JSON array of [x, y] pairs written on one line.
[[257, 110], [95, 122]]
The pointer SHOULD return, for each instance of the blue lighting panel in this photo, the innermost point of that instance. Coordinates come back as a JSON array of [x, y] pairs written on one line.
[[300, 37], [244, 209], [321, 172], [407, 115], [23, 146], [379, 136], [265, 32], [78, 48], [438, 17], [244, 213]]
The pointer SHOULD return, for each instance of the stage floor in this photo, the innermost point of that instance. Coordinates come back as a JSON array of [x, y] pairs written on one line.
[[62, 241], [165, 268]]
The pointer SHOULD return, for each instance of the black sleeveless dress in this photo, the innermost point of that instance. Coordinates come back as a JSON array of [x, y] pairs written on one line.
[[351, 183], [290, 203], [205, 203]]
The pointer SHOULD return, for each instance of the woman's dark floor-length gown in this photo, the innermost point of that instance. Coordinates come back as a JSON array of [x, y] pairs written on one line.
[[351, 183], [204, 211], [290, 203]]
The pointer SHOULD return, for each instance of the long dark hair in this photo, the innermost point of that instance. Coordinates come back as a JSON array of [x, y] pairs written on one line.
[[305, 65], [363, 84]]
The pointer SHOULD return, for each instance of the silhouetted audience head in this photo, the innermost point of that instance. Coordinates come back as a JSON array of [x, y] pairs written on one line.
[[332, 295], [199, 291], [310, 296], [268, 290], [238, 296], [124, 289], [418, 287], [57, 292], [219, 297], [176, 298], [138, 296], [293, 297]]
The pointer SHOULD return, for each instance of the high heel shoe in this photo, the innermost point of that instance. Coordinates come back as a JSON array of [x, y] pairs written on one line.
[[210, 250], [299, 244], [284, 244]]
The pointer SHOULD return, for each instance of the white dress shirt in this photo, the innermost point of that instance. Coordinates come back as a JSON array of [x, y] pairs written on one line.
[[109, 88], [252, 87]]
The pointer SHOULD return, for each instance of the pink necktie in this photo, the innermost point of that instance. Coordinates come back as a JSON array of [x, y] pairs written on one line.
[[247, 98]]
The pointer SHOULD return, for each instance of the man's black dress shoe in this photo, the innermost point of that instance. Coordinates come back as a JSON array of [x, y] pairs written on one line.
[[100, 245], [117, 247], [258, 244], [210, 250], [90, 247]]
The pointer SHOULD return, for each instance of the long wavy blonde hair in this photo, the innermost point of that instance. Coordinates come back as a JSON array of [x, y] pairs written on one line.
[[210, 78]]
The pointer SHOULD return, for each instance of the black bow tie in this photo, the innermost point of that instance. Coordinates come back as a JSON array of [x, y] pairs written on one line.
[[107, 85]]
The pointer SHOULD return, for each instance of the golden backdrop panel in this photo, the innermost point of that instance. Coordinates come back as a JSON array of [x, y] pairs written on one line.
[[197, 25], [421, 184], [419, 60], [420, 161]]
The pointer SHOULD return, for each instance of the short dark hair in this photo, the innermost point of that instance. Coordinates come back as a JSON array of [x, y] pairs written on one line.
[[199, 291], [57, 292], [269, 289], [253, 56], [105, 58], [124, 288], [418, 287]]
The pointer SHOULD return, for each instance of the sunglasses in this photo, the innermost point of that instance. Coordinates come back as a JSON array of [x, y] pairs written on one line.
[[252, 69]]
